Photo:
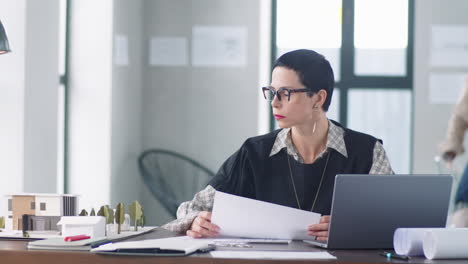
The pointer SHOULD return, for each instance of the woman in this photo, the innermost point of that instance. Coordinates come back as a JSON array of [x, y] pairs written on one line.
[[294, 166], [452, 147]]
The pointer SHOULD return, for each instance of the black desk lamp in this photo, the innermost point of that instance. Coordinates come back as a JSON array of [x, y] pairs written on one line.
[[4, 46]]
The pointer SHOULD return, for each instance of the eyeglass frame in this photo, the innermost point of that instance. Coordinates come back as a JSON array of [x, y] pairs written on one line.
[[290, 91]]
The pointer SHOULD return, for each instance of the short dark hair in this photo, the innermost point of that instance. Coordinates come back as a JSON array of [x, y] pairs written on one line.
[[313, 69]]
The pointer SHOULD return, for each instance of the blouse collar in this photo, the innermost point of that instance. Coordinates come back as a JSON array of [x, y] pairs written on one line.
[[335, 140]]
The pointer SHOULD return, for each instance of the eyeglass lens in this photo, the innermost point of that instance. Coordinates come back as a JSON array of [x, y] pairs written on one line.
[[269, 94]]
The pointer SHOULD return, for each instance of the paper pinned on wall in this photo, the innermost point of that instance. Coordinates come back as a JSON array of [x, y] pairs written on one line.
[[120, 50], [219, 46], [168, 51], [445, 88], [449, 45]]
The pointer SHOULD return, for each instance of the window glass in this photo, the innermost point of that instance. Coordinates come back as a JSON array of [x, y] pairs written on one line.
[[380, 37], [310, 24], [385, 114], [334, 109], [43, 206], [33, 205]]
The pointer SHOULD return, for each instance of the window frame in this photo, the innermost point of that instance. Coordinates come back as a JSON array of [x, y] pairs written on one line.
[[64, 84], [348, 79]]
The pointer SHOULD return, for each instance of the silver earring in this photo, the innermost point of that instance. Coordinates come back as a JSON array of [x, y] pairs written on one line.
[[315, 125]]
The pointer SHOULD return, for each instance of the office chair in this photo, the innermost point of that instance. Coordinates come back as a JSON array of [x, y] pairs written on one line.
[[172, 178]]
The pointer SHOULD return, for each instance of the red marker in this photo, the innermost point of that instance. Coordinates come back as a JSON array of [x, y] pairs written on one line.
[[75, 238]]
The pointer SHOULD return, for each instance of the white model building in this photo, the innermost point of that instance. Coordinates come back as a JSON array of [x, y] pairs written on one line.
[[43, 210], [94, 226]]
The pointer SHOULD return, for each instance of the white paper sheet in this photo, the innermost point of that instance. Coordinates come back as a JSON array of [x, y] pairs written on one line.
[[219, 46], [448, 45], [121, 50], [448, 243], [168, 51], [445, 88], [244, 242], [243, 217], [271, 255]]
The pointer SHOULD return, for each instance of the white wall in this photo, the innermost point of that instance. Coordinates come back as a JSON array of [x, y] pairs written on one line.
[[105, 107], [41, 96], [53, 205], [203, 112], [126, 104], [12, 81], [431, 120], [28, 100], [90, 102]]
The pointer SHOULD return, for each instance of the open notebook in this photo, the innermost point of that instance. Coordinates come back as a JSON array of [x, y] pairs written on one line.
[[58, 243], [173, 246]]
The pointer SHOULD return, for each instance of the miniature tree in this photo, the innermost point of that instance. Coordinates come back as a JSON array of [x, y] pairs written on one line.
[[119, 216], [111, 214], [105, 211], [136, 212], [2, 222], [142, 218], [83, 213], [102, 212], [92, 213]]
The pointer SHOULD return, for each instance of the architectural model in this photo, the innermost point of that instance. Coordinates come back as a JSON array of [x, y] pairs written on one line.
[[40, 212]]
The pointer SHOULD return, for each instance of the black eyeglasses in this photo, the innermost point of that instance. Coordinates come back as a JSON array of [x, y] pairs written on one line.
[[269, 92]]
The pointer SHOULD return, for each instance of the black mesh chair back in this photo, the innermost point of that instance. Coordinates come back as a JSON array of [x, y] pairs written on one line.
[[171, 177]]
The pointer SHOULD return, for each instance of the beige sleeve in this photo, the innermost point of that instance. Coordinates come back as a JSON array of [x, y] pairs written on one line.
[[457, 126], [380, 162], [187, 211]]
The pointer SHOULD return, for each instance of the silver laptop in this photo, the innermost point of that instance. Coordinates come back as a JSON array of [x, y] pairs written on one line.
[[366, 209]]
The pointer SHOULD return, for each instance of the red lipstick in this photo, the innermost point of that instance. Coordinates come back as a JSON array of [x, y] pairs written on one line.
[[278, 117]]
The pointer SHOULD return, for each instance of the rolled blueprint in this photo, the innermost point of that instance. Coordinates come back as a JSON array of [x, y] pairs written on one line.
[[447, 243], [409, 241]]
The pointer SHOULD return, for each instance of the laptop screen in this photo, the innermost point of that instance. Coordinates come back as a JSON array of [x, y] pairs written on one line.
[[367, 209]]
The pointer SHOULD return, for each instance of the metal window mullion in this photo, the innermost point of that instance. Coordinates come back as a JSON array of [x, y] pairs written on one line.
[[347, 57], [66, 94], [410, 72], [274, 50]]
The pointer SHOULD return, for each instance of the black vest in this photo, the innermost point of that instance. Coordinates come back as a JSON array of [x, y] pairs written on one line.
[[252, 173]]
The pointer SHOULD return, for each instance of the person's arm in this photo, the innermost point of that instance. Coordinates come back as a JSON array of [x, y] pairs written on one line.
[[380, 162], [188, 211], [453, 145], [458, 124], [194, 217]]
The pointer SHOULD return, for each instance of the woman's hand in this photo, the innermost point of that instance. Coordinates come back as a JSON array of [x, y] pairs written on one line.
[[320, 230], [202, 226]]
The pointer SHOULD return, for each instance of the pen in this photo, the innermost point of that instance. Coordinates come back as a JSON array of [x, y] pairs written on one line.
[[394, 256], [75, 238]]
